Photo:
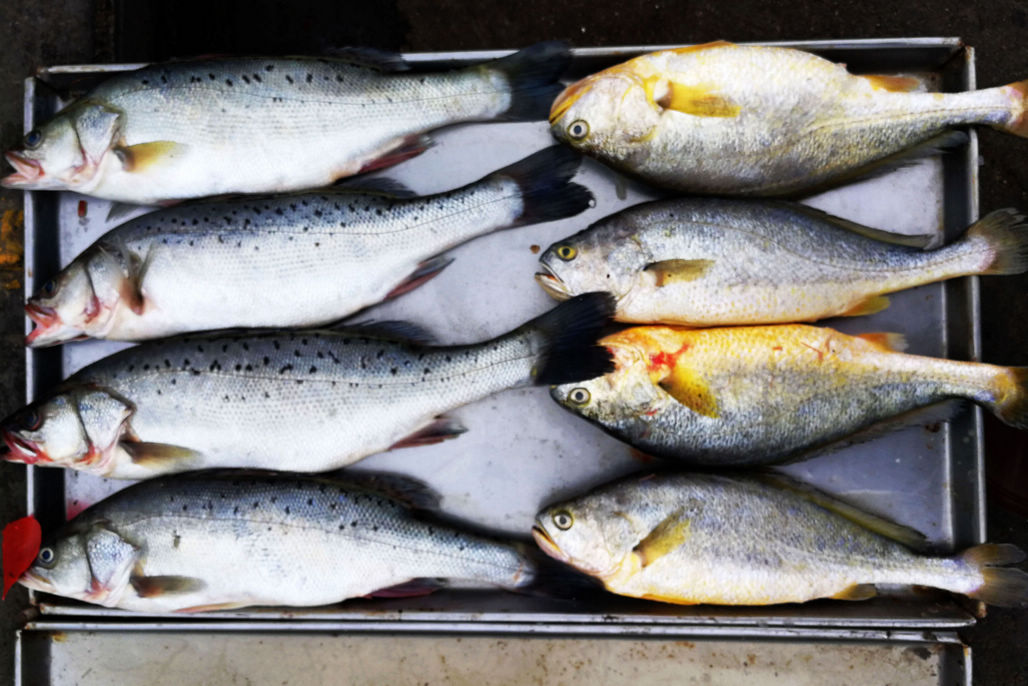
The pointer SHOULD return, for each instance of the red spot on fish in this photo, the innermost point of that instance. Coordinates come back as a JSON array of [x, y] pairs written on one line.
[[777, 348], [83, 205], [20, 546], [666, 359]]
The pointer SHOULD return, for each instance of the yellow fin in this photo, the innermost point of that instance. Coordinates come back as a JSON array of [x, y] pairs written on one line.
[[665, 537], [690, 389], [140, 157], [669, 599], [703, 46], [678, 271], [160, 456], [876, 303], [879, 525], [698, 100], [896, 84], [889, 342], [857, 592]]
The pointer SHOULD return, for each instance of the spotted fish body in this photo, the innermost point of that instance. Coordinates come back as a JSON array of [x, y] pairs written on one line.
[[705, 538], [285, 261], [207, 127], [300, 400], [761, 394], [223, 540], [715, 261], [733, 119]]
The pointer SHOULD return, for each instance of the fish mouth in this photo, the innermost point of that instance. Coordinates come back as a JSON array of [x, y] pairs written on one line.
[[26, 171], [19, 449], [552, 284], [48, 328], [568, 97], [30, 579], [547, 544]]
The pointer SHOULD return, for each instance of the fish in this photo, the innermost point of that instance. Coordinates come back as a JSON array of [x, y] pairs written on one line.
[[229, 539], [725, 119], [706, 262], [734, 540], [196, 128], [296, 400], [754, 395], [294, 260]]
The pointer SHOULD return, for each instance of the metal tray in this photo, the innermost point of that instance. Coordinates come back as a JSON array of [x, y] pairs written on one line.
[[96, 654], [523, 451]]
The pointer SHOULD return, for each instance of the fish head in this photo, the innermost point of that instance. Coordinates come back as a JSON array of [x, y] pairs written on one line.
[[603, 257], [84, 561], [65, 152], [609, 114], [620, 398], [80, 301], [591, 534], [78, 428]]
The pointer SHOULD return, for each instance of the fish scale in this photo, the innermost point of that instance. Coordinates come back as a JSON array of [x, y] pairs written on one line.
[[295, 260], [302, 400], [732, 119], [713, 261], [270, 539], [208, 127], [705, 538]]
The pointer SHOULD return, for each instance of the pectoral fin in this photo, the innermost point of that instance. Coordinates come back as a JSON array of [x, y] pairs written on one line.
[[665, 537], [143, 156], [698, 100], [690, 389], [887, 342], [678, 271], [153, 586], [161, 456]]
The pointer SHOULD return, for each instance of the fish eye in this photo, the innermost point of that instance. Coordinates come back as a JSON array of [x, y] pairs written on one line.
[[32, 420], [563, 520], [46, 556], [49, 287], [578, 130], [33, 138], [579, 396], [566, 253]]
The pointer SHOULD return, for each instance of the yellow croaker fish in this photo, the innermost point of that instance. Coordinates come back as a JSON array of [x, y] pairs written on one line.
[[761, 394], [722, 118], [720, 261], [705, 538]]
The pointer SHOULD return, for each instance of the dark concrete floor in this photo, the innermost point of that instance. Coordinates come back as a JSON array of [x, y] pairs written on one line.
[[70, 31]]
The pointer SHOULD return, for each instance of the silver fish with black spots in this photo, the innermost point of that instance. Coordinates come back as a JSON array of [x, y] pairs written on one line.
[[295, 260], [306, 401]]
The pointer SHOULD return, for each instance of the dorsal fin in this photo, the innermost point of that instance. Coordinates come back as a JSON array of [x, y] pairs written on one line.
[[390, 329], [920, 240], [879, 525]]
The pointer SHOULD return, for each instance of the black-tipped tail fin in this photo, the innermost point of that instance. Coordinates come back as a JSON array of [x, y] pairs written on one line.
[[532, 75], [570, 331], [545, 182]]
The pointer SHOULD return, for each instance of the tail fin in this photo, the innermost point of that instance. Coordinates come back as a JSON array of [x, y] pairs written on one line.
[[1018, 122], [544, 182], [1002, 587], [532, 74], [1005, 234], [1010, 402], [569, 331]]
